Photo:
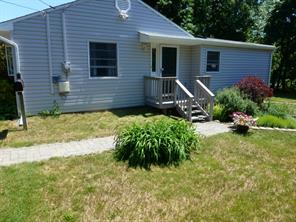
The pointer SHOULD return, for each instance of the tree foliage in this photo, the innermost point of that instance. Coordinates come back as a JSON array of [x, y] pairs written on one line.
[[281, 31]]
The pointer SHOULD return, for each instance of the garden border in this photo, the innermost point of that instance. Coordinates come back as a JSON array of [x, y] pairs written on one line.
[[272, 129]]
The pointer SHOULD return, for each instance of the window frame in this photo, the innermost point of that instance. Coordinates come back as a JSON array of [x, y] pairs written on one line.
[[10, 63], [117, 59], [213, 50]]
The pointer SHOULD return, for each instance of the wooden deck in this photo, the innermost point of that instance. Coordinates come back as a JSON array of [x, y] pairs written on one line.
[[169, 92]]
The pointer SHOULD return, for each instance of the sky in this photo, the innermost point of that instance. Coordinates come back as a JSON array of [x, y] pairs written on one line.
[[8, 11]]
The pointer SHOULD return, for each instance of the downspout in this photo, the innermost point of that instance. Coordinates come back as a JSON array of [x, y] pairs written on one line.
[[65, 37], [49, 53], [16, 51], [20, 100], [270, 69]]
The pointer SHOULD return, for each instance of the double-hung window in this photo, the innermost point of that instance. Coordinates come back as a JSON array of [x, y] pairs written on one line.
[[213, 61], [103, 59]]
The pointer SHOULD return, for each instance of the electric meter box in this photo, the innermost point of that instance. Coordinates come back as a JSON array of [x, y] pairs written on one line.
[[64, 87]]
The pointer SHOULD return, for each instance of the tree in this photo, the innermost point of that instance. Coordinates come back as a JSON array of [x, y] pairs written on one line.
[[225, 19], [281, 31]]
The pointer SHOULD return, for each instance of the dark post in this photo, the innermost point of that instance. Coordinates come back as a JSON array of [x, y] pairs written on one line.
[[19, 88]]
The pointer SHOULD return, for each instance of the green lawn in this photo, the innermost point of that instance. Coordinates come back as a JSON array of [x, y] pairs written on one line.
[[70, 127], [286, 98], [232, 178]]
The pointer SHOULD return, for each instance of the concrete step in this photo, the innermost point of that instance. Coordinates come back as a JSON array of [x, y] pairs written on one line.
[[199, 118]]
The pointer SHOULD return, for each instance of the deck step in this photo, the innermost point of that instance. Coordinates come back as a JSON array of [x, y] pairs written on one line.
[[199, 118]]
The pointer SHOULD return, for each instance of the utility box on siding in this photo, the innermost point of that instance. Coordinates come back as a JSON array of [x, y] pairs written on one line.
[[64, 87]]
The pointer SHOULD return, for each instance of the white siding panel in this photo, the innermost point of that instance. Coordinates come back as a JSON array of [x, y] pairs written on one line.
[[90, 20], [236, 64]]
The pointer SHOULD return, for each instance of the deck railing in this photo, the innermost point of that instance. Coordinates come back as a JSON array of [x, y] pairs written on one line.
[[160, 91], [206, 80], [204, 98], [183, 101]]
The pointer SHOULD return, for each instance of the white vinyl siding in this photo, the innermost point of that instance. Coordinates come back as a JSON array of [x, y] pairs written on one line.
[[93, 20]]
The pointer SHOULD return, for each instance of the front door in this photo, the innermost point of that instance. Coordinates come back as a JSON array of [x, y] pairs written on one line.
[[169, 61]]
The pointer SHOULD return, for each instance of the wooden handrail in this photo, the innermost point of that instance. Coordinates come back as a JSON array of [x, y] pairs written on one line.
[[209, 92], [183, 101], [184, 89], [204, 97]]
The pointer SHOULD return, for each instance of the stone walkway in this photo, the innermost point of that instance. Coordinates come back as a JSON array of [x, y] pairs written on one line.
[[212, 128], [44, 152], [77, 148]]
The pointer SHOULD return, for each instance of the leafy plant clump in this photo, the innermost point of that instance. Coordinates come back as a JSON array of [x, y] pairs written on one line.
[[232, 100], [274, 121], [53, 112], [279, 110], [164, 143], [255, 89]]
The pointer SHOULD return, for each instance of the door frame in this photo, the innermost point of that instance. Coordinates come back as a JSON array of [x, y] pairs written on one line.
[[178, 58]]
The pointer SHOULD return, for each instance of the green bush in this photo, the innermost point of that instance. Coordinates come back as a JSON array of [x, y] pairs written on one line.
[[7, 100], [219, 113], [278, 110], [164, 142], [274, 121], [233, 101], [54, 112]]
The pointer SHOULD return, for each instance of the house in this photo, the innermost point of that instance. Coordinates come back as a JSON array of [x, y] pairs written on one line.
[[90, 55]]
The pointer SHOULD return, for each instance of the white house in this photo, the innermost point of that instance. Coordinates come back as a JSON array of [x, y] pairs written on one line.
[[95, 54]]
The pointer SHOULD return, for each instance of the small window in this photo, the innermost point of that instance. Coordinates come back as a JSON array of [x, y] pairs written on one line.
[[213, 61], [9, 60], [103, 59], [153, 59]]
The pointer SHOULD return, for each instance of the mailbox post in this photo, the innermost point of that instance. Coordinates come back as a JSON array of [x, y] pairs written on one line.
[[19, 89]]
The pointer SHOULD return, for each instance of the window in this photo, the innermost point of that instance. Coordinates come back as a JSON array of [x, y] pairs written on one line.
[[153, 60], [103, 59], [9, 60], [213, 61]]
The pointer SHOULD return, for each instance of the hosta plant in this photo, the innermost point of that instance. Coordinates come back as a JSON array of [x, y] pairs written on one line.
[[164, 142]]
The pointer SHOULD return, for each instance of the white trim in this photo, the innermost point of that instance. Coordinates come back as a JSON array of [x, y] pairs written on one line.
[[178, 58], [270, 68], [213, 50], [49, 54], [148, 37], [168, 20], [117, 57]]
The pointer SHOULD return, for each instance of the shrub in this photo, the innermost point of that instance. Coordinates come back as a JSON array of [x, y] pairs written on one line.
[[7, 100], [54, 112], [219, 113], [255, 89], [274, 121], [164, 142], [233, 101], [278, 110]]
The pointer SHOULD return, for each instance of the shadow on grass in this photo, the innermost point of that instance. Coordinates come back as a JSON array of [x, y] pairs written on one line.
[[3, 134]]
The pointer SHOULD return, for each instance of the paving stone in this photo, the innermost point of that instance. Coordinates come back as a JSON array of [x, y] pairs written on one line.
[[212, 128], [12, 156]]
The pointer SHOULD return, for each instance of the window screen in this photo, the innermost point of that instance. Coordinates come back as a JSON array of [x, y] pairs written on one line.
[[103, 59], [213, 61]]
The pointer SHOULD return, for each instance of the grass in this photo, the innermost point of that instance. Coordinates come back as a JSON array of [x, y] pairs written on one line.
[[232, 178], [70, 127], [273, 121], [286, 98]]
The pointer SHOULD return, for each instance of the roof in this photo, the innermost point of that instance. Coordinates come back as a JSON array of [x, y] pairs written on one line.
[[147, 37]]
